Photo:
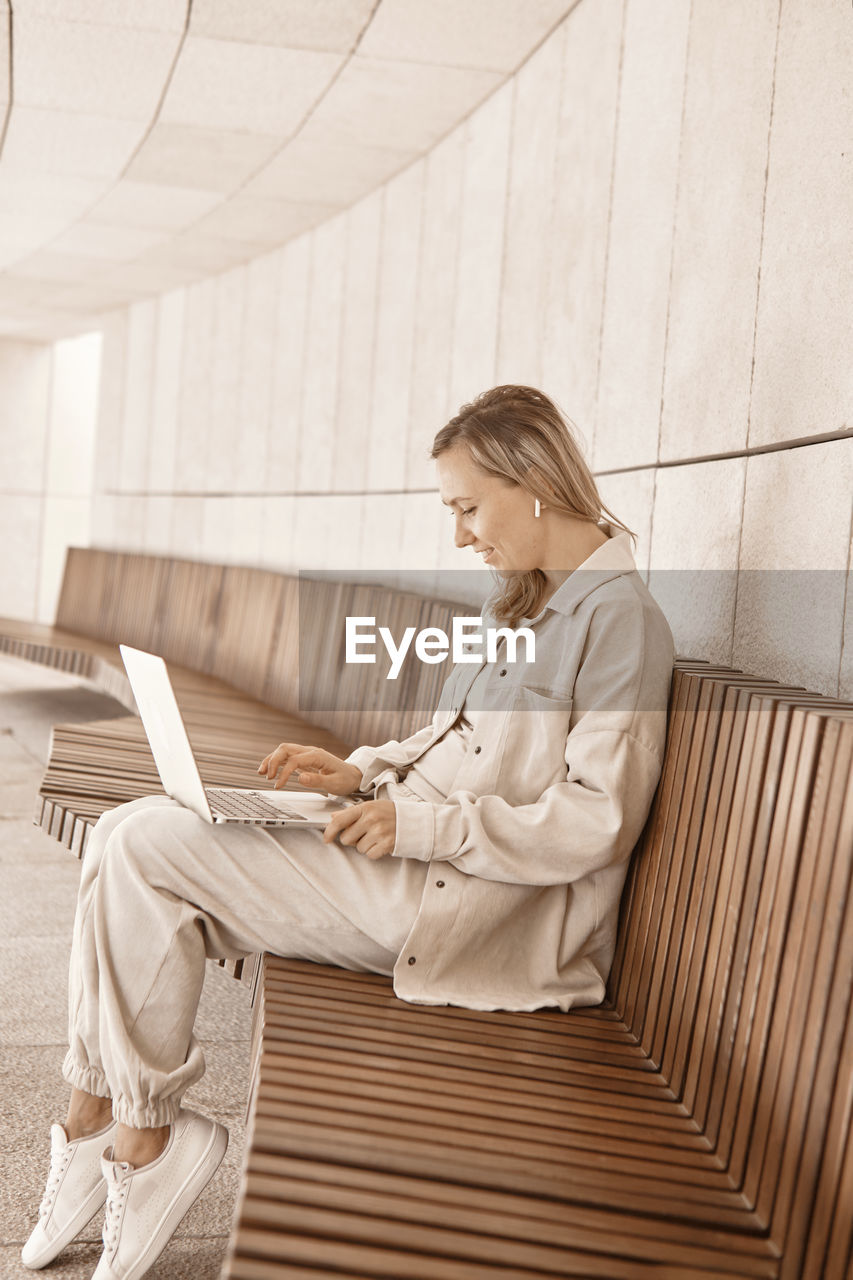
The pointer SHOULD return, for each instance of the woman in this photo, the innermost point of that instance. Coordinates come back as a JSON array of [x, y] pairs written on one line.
[[482, 868]]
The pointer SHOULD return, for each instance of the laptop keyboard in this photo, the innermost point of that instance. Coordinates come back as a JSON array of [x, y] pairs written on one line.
[[246, 804]]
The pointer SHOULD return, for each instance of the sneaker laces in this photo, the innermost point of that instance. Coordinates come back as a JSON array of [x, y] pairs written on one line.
[[116, 1196], [59, 1159]]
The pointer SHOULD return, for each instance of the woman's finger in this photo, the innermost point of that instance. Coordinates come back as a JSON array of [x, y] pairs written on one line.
[[341, 820], [371, 845], [379, 851], [276, 757], [309, 779], [293, 763], [358, 831]]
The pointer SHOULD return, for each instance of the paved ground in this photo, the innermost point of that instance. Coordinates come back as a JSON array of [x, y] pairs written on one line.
[[39, 883]]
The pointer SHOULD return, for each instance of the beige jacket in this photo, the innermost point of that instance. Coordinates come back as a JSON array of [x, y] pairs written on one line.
[[530, 849]]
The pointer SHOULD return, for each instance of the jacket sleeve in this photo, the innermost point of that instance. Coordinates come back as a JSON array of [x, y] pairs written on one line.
[[575, 828], [386, 762], [613, 757]]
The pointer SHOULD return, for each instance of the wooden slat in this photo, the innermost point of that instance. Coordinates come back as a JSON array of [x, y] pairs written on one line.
[[274, 1178], [810, 1010], [380, 1250]]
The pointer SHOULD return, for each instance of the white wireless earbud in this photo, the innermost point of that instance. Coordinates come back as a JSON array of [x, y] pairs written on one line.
[[537, 509]]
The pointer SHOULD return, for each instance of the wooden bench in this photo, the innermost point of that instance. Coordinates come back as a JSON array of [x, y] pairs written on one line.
[[696, 1124], [233, 642]]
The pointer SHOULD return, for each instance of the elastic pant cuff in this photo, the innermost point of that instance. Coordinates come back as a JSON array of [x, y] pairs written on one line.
[[154, 1115], [89, 1079]]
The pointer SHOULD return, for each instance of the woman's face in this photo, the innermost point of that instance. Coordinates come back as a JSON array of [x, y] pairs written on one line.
[[491, 515]]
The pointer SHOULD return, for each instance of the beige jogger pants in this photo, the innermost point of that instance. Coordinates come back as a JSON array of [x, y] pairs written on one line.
[[161, 891]]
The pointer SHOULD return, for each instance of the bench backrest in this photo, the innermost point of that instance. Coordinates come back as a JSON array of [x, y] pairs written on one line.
[[276, 637], [735, 958]]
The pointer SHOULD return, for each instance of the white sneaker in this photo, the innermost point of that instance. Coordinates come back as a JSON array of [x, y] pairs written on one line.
[[145, 1205], [74, 1193]]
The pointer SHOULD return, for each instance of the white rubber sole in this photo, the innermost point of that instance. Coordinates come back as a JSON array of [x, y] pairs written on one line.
[[183, 1202]]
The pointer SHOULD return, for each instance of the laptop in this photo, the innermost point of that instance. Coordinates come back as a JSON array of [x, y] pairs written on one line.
[[176, 764]]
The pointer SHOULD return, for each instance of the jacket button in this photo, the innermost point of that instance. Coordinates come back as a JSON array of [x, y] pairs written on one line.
[[502, 673], [439, 884], [477, 750], [411, 959]]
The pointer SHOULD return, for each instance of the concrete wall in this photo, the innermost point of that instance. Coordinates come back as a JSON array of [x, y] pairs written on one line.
[[48, 418], [24, 416], [652, 223]]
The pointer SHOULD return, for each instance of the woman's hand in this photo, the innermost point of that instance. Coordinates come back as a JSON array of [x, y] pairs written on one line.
[[316, 768], [371, 827]]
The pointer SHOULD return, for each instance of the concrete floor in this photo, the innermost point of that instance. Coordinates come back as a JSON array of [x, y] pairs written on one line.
[[39, 884]]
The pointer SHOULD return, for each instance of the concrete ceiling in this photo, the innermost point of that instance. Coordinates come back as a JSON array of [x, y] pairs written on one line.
[[147, 143]]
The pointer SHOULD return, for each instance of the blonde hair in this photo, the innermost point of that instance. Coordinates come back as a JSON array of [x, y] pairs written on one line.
[[516, 433]]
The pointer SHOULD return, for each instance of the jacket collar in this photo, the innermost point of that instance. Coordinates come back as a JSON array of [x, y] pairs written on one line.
[[612, 559]]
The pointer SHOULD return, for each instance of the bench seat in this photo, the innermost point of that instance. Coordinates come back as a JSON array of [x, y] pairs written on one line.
[[469, 1138]]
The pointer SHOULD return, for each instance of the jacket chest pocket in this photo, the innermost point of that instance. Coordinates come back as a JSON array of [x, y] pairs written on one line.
[[534, 755]]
